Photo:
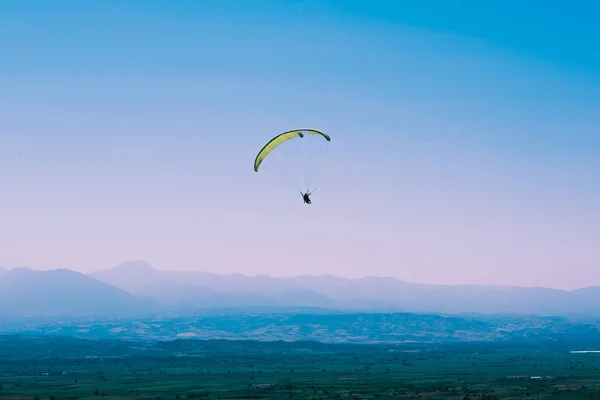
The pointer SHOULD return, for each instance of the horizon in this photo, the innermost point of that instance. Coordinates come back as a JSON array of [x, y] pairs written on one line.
[[464, 142], [124, 264]]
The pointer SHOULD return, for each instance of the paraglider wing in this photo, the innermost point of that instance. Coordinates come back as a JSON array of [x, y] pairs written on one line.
[[279, 139]]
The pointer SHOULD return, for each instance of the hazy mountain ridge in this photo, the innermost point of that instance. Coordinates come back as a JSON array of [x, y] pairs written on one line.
[[369, 293], [68, 303], [63, 292], [136, 288]]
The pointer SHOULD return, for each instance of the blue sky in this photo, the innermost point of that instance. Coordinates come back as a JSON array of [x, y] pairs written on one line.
[[465, 137]]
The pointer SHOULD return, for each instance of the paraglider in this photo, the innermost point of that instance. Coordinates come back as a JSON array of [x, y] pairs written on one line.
[[306, 144]]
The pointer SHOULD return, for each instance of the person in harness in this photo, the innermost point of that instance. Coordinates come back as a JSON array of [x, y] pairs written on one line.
[[306, 198]]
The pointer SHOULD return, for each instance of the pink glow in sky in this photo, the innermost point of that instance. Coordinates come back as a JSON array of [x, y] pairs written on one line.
[[453, 159]]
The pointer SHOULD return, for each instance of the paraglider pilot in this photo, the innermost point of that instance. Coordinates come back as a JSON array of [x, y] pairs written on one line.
[[306, 198]]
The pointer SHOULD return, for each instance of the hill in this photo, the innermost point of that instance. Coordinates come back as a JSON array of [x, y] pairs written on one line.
[[360, 328]]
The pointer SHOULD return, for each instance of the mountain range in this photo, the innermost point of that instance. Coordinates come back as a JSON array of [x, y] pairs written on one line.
[[136, 288]]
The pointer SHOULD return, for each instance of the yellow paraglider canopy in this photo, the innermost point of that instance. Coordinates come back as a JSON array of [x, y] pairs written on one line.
[[279, 139]]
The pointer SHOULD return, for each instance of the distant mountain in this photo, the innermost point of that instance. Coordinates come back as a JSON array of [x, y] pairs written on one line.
[[590, 292], [206, 289], [136, 288], [131, 276], [326, 291], [25, 292]]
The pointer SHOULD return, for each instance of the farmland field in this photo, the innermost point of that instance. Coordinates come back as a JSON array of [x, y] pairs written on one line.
[[455, 371]]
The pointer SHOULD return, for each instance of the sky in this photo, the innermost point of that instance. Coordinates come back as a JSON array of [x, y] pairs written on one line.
[[465, 137]]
